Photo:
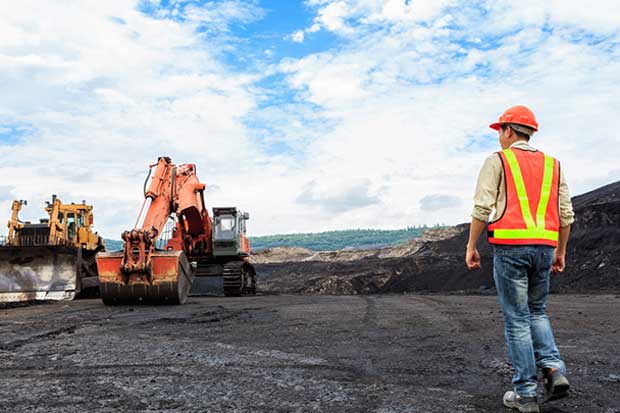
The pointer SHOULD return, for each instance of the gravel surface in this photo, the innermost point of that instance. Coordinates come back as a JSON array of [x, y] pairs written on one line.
[[288, 353]]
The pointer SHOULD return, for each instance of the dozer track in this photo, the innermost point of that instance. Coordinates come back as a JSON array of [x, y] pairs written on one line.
[[239, 279], [168, 282]]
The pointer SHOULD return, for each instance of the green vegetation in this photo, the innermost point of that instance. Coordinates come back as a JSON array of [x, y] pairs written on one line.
[[326, 241], [113, 245], [335, 240]]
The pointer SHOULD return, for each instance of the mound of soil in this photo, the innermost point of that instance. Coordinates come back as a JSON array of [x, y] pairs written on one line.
[[593, 254], [435, 262]]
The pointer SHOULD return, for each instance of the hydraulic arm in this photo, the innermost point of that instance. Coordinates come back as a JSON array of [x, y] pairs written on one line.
[[172, 191], [143, 273]]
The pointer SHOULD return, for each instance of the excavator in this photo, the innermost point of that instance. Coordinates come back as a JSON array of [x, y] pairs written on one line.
[[173, 241], [50, 260]]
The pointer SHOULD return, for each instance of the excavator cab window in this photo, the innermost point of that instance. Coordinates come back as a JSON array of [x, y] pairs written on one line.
[[242, 225], [71, 226], [80, 222], [225, 227]]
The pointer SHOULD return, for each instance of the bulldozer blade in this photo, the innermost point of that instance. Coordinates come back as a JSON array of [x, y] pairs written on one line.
[[169, 281], [38, 273]]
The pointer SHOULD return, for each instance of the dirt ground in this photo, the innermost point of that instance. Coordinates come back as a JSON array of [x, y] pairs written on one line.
[[287, 353]]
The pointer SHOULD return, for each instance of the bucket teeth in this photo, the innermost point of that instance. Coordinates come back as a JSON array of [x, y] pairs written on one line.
[[168, 282]]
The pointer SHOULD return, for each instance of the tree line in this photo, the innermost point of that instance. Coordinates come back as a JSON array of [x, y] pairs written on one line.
[[327, 241]]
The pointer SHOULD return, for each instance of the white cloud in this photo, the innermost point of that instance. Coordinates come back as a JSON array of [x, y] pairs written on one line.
[[406, 97], [438, 201], [338, 199], [345, 17], [298, 36], [393, 114], [106, 99], [598, 17]]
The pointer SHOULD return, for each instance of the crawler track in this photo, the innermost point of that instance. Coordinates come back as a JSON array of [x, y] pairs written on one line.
[[239, 279]]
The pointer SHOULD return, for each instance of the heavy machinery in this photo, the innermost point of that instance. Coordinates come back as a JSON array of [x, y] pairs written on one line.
[[50, 260], [156, 268]]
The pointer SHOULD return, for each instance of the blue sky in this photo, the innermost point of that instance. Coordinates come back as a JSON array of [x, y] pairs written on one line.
[[312, 115], [12, 133]]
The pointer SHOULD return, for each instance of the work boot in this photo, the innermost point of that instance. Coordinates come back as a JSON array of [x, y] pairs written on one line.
[[556, 384], [524, 404]]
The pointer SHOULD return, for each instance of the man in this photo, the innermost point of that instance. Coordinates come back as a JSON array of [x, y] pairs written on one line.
[[529, 230]]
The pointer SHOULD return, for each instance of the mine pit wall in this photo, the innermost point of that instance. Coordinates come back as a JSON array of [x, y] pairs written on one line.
[[435, 263], [593, 265]]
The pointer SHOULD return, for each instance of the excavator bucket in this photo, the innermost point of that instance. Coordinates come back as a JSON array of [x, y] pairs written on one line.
[[168, 282], [38, 273]]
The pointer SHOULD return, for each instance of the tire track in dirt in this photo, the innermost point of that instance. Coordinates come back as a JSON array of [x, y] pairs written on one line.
[[16, 344], [390, 353]]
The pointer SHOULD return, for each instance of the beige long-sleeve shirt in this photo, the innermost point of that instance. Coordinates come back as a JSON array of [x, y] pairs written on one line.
[[490, 193]]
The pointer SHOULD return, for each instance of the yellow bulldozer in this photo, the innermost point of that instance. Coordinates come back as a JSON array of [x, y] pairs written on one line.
[[50, 260]]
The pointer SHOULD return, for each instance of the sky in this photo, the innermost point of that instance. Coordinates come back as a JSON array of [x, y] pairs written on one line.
[[312, 115]]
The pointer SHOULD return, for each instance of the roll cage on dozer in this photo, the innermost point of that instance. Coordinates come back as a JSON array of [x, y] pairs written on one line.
[[143, 273]]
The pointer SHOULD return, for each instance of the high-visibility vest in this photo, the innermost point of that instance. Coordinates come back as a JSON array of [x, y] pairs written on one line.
[[532, 214]]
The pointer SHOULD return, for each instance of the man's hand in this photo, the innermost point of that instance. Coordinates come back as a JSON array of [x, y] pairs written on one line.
[[472, 259], [558, 264]]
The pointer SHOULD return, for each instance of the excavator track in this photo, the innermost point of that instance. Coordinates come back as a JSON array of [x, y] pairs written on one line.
[[239, 279]]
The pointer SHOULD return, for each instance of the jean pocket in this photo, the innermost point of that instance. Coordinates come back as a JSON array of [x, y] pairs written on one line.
[[547, 256]]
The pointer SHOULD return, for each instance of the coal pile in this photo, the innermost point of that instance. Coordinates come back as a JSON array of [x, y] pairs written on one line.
[[435, 263], [593, 255]]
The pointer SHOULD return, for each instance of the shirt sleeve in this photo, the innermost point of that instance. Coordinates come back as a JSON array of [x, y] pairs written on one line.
[[485, 197], [567, 216]]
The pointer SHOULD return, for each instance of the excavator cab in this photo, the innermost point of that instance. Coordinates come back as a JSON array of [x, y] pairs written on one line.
[[229, 232], [198, 246], [231, 252]]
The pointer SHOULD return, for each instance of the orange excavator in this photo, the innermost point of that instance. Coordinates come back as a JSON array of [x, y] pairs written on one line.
[[153, 268]]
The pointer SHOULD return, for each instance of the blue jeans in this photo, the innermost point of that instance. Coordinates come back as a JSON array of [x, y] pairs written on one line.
[[521, 276]]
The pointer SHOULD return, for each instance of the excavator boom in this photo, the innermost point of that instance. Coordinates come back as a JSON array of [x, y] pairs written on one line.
[[142, 274]]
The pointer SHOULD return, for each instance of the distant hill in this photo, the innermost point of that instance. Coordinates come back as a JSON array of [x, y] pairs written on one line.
[[337, 240], [435, 262], [113, 244], [326, 241]]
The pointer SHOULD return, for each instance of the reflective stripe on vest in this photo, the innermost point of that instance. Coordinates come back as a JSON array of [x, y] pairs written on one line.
[[535, 228]]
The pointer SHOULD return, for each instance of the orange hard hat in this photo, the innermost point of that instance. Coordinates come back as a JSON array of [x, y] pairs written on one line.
[[519, 115]]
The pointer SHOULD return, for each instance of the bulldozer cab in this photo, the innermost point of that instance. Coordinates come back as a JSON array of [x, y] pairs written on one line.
[[229, 228], [53, 259], [71, 224], [66, 224]]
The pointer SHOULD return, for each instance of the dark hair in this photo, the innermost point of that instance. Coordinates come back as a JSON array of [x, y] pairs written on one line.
[[519, 134]]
